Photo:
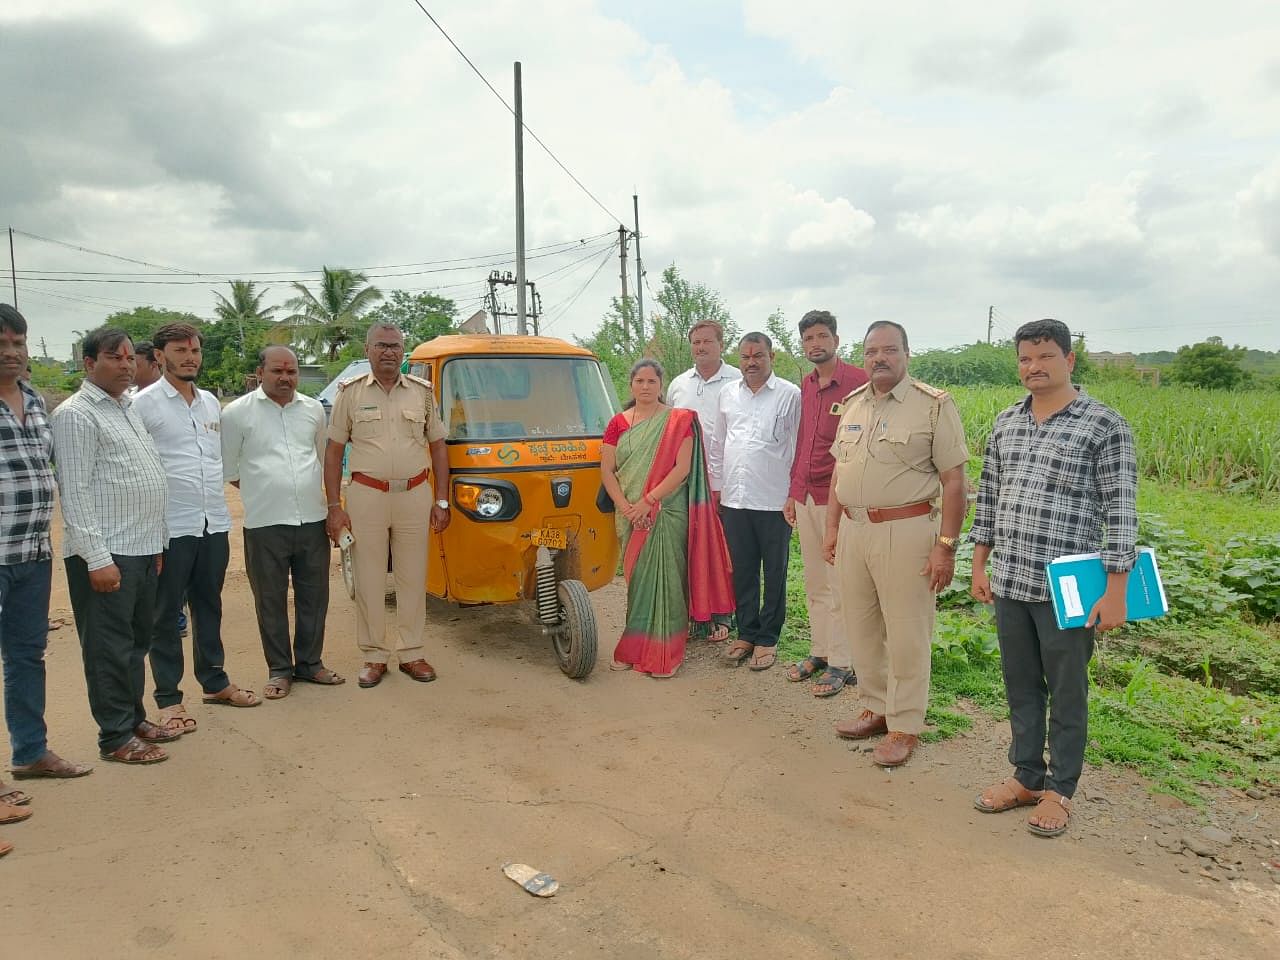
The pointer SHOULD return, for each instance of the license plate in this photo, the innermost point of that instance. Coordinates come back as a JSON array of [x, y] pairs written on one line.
[[550, 537]]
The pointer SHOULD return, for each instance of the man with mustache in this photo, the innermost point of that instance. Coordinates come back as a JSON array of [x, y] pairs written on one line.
[[1059, 477], [112, 485], [806, 508], [698, 388], [896, 507], [186, 424], [750, 470], [273, 440], [26, 569]]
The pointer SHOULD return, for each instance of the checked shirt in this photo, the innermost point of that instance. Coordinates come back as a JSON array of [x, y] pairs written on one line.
[[26, 482], [1064, 486]]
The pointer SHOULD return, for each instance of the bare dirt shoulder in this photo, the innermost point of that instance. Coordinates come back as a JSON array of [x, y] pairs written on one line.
[[714, 815]]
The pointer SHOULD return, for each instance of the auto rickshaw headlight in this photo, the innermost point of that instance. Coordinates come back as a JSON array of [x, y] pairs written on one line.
[[487, 499], [489, 503]]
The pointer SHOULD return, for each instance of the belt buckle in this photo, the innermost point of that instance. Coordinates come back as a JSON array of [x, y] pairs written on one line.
[[397, 486]]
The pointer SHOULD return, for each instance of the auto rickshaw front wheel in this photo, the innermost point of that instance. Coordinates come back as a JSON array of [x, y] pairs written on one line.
[[575, 639]]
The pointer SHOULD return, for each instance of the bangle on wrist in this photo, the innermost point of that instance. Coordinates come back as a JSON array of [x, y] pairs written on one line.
[[336, 503]]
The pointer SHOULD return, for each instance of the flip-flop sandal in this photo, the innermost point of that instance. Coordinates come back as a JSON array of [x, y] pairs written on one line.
[[835, 679], [176, 718], [235, 698], [738, 652], [276, 688], [806, 668], [719, 633], [539, 884], [1008, 795], [324, 677], [5, 847], [15, 797], [667, 676], [1054, 799], [617, 667], [764, 663]]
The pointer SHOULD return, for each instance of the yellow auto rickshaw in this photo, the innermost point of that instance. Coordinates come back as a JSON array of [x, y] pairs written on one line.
[[525, 416]]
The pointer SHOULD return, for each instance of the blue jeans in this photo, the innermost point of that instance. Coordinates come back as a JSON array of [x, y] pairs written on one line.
[[24, 634]]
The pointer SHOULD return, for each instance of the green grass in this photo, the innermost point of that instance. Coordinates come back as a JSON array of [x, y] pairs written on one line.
[[1161, 692]]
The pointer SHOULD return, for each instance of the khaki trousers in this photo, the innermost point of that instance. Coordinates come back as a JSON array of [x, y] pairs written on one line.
[[828, 637], [400, 521], [889, 612]]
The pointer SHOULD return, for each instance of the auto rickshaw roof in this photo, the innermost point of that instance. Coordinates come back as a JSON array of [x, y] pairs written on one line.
[[453, 344]]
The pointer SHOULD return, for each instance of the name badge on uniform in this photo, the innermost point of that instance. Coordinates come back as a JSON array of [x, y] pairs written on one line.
[[852, 428], [370, 406]]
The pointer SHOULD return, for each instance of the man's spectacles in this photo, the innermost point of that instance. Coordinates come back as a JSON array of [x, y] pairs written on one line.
[[388, 347]]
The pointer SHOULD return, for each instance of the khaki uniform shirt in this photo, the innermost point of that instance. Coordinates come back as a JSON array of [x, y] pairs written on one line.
[[388, 430], [890, 450]]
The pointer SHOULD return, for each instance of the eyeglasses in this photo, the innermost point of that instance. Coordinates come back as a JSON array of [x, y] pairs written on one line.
[[388, 347]]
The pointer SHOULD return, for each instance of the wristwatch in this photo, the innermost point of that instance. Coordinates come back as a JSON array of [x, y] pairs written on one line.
[[442, 504], [948, 542]]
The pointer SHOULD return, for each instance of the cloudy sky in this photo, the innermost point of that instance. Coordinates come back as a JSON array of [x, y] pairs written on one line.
[[1113, 165]]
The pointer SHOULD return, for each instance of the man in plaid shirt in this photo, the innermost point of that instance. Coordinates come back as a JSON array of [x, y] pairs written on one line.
[[1059, 477], [26, 568]]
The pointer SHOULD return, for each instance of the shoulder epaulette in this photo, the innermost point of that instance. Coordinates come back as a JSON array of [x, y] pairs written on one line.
[[423, 381], [343, 384], [930, 391], [854, 392]]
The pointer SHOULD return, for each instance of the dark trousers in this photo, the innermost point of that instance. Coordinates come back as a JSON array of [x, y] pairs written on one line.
[[24, 634], [194, 569], [272, 556], [759, 540], [115, 632], [1045, 668]]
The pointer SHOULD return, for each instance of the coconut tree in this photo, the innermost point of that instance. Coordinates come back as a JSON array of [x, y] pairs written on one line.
[[332, 315], [243, 308]]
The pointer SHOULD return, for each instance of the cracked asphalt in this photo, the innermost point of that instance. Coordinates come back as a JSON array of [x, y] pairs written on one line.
[[713, 815]]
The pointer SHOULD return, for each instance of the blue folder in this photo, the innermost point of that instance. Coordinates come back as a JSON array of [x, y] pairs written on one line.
[[1077, 582]]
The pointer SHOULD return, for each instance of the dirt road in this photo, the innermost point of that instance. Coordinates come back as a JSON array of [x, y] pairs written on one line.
[[709, 816]]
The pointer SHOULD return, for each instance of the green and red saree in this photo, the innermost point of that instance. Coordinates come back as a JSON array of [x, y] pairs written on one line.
[[678, 569]]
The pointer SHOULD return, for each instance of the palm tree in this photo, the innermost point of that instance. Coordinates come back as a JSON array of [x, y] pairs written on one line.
[[245, 306], [332, 316]]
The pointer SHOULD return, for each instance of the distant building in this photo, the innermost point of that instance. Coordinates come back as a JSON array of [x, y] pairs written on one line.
[[1106, 358]]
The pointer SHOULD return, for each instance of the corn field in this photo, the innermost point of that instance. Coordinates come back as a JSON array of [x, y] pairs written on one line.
[[1221, 440]]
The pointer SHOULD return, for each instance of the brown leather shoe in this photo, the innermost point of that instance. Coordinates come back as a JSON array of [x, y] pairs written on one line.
[[895, 749], [867, 724], [420, 670], [371, 674]]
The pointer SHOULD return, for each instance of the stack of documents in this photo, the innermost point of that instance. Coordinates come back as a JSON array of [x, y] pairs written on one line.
[[1077, 582]]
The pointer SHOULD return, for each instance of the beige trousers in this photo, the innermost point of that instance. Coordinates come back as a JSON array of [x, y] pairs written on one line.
[[889, 612], [828, 638], [400, 521]]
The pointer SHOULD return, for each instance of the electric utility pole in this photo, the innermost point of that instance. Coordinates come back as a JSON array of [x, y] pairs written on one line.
[[13, 270], [497, 307], [635, 205], [521, 327], [991, 319], [622, 256]]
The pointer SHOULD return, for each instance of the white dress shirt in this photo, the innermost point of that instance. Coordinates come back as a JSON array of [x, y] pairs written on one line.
[[187, 436], [753, 444], [110, 479], [276, 453], [690, 391]]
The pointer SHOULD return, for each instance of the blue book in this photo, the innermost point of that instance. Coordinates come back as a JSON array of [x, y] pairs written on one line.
[[1077, 582]]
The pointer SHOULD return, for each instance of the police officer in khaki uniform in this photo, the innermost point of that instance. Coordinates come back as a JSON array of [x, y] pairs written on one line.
[[391, 422], [899, 450]]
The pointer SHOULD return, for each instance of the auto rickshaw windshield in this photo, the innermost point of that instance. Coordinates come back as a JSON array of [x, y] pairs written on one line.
[[509, 398]]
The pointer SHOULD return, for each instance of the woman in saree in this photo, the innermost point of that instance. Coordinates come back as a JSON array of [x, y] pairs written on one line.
[[674, 556]]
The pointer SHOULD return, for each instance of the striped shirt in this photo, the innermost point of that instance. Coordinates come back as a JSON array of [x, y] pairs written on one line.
[[112, 482], [1064, 486], [26, 481]]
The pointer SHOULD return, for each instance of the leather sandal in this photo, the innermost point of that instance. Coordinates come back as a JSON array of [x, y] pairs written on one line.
[[1048, 800], [232, 696], [323, 677], [5, 847], [739, 651], [1008, 795], [11, 814], [176, 718], [277, 688], [149, 732], [134, 751], [13, 796], [52, 767], [806, 668]]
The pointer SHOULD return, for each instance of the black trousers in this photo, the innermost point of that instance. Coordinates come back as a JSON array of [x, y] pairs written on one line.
[[272, 556], [759, 540], [194, 570], [1045, 668], [115, 632]]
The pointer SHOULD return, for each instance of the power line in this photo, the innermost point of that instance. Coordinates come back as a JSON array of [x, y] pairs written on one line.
[[608, 255], [511, 110], [569, 245]]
